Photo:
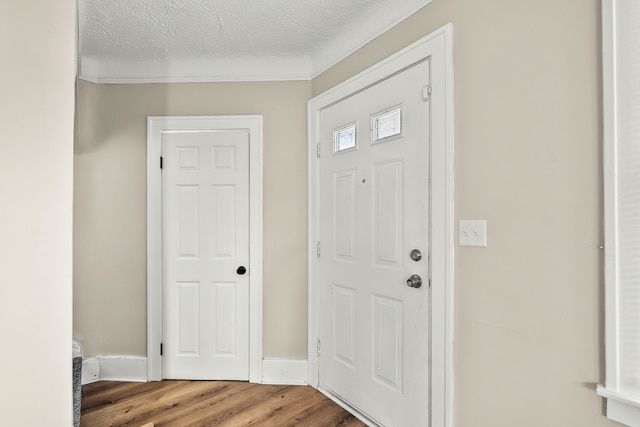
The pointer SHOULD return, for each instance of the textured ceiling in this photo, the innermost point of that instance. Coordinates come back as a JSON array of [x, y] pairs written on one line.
[[226, 40]]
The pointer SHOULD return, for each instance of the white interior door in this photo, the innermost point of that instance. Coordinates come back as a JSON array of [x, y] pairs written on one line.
[[205, 249], [374, 211]]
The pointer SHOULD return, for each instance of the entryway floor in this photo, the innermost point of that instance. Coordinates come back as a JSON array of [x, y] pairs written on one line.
[[208, 403]]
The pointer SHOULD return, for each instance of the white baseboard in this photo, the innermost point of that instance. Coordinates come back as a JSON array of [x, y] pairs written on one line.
[[284, 371], [90, 370], [123, 368], [114, 368], [134, 369]]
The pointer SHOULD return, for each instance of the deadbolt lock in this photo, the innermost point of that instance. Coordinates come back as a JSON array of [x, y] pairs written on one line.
[[416, 255]]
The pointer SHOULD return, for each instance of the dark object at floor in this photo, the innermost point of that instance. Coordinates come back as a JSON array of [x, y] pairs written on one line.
[[77, 390]]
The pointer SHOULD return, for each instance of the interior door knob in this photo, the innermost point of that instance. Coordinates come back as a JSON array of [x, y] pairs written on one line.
[[414, 281], [241, 270]]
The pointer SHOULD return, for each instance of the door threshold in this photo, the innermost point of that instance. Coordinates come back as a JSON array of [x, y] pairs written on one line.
[[349, 408]]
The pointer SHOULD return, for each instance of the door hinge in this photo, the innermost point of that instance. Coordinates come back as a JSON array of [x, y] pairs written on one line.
[[318, 348], [426, 93], [161, 350], [318, 249], [161, 161], [318, 150]]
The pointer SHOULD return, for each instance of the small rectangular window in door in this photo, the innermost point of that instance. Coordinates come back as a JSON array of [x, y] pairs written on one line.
[[386, 124], [344, 138]]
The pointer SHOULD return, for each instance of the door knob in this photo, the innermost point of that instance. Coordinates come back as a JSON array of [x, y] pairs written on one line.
[[414, 281], [416, 255], [241, 270]]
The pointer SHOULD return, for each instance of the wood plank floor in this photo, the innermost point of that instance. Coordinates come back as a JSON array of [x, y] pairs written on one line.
[[208, 403]]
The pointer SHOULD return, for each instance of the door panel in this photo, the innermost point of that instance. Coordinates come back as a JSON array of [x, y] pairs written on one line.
[[345, 215], [188, 225], [224, 223], [205, 239], [387, 341], [373, 211], [387, 214], [344, 321], [188, 318]]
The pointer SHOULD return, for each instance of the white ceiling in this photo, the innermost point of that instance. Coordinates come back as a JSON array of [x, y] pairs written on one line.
[[128, 41]]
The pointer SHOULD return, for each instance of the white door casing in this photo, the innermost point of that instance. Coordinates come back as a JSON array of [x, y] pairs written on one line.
[[196, 131], [435, 49], [205, 253]]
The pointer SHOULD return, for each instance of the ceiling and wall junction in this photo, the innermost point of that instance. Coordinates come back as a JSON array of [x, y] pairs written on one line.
[[140, 41]]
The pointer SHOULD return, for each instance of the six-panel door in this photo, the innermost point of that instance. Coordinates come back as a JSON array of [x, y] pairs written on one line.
[[206, 239], [374, 211]]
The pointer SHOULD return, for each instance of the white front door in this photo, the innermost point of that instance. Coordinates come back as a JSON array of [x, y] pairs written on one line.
[[374, 200], [205, 180]]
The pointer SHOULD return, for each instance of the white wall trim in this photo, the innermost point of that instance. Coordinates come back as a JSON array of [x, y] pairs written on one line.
[[439, 47], [123, 368], [155, 127], [284, 371], [623, 413], [622, 408], [610, 193], [90, 370], [114, 368], [198, 69], [187, 79], [135, 369]]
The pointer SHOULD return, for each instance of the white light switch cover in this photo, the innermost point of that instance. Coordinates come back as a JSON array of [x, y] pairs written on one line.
[[472, 233]]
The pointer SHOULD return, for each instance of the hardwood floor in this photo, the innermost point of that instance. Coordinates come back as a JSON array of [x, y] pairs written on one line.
[[208, 403]]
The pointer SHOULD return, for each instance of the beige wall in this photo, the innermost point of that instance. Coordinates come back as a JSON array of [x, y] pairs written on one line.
[[36, 166], [528, 308], [110, 206]]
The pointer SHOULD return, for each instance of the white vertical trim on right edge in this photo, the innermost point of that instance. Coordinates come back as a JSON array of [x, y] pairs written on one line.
[[622, 406], [439, 47], [610, 194]]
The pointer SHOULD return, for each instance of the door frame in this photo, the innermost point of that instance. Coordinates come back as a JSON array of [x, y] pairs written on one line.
[[156, 125], [437, 46]]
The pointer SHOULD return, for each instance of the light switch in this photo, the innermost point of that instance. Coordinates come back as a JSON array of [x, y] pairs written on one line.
[[472, 233]]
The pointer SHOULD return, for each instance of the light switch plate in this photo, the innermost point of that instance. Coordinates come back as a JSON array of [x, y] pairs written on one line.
[[472, 233]]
